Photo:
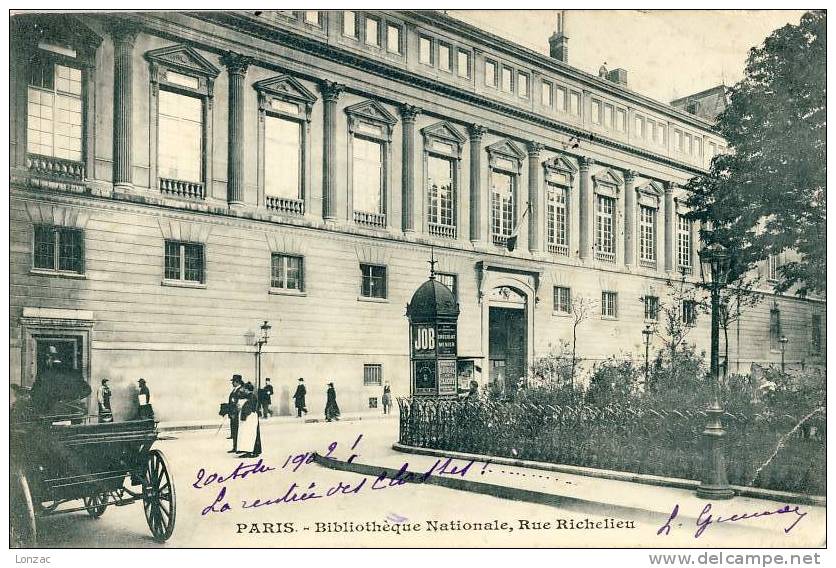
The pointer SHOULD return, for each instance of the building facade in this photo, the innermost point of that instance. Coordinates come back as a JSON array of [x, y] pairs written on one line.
[[178, 178]]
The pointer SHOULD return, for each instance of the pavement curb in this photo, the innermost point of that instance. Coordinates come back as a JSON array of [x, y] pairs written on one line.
[[655, 480], [175, 427]]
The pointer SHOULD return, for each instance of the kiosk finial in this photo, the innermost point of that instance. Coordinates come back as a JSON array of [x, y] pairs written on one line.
[[432, 262]]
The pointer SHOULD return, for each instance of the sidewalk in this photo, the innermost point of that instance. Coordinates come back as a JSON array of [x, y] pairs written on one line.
[[184, 425], [650, 505]]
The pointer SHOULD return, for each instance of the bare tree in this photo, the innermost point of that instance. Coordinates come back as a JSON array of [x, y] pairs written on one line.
[[734, 300], [582, 308], [678, 313]]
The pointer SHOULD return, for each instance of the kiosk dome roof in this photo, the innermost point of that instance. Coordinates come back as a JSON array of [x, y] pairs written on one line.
[[432, 300]]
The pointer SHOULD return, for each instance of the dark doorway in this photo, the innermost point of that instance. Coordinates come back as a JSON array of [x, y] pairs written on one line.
[[68, 350], [507, 349]]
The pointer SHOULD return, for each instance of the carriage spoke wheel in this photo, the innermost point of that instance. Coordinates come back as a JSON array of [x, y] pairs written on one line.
[[158, 496], [22, 528], [96, 505]]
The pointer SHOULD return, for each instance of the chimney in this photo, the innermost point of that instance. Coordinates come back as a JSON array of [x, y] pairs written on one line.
[[559, 42], [618, 76]]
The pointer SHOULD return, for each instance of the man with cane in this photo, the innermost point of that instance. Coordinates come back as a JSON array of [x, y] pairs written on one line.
[[230, 409]]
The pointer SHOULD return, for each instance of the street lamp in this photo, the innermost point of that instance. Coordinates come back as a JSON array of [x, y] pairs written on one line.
[[647, 332], [261, 342], [714, 269], [783, 341]]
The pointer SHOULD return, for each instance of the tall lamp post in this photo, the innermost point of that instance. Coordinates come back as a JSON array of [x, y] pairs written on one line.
[[259, 344], [647, 332], [714, 269], [783, 341]]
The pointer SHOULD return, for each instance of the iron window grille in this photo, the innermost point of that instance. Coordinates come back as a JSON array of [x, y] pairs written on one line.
[[372, 375]]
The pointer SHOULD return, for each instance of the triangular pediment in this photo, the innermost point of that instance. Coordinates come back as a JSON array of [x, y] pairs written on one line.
[[444, 131], [651, 188], [608, 177], [285, 86], [562, 164], [184, 59], [372, 111], [506, 148]]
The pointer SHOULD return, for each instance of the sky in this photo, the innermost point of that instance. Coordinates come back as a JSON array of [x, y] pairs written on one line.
[[668, 54]]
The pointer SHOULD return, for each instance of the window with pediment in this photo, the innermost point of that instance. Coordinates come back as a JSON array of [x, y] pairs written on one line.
[[607, 187], [442, 154], [649, 198], [55, 59], [369, 152], [182, 90], [284, 117], [559, 176], [505, 159]]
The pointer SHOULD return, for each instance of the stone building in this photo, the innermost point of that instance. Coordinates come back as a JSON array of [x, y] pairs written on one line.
[[178, 178]]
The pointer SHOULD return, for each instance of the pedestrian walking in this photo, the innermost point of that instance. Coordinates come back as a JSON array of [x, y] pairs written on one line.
[[299, 398], [387, 398], [232, 411], [103, 399], [332, 410], [249, 431], [265, 397], [146, 411]]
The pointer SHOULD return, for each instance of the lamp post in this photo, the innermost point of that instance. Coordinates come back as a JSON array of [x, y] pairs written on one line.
[[714, 268], [259, 344], [647, 332], [783, 341]]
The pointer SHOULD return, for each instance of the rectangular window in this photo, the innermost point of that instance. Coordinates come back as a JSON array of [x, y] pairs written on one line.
[[647, 236], [507, 79], [503, 206], [367, 175], [608, 116], [393, 38], [373, 281], [372, 376], [184, 261], [678, 141], [282, 157], [557, 219], [639, 127], [372, 31], [683, 240], [560, 99], [597, 110], [425, 50], [620, 119], [54, 113], [772, 267], [689, 312], [350, 23], [490, 73], [180, 132], [547, 94], [58, 248], [445, 62], [286, 272], [463, 64], [609, 304], [661, 134], [312, 17], [522, 85], [815, 338], [441, 192], [575, 103], [562, 300], [651, 308], [605, 228], [449, 280]]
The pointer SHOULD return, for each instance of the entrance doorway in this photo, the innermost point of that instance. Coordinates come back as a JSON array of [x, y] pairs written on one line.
[[507, 348]]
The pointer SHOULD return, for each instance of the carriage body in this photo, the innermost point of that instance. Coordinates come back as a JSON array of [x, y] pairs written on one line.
[[55, 463]]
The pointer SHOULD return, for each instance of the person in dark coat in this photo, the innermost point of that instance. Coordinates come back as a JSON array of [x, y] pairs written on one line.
[[103, 400], [299, 398], [232, 410], [146, 411], [54, 389], [249, 431], [387, 398], [332, 410], [265, 397]]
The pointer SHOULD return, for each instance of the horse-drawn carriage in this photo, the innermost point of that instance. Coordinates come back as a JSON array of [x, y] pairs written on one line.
[[57, 460]]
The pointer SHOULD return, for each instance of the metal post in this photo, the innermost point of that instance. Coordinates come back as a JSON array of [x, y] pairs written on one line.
[[715, 484], [783, 342], [647, 333]]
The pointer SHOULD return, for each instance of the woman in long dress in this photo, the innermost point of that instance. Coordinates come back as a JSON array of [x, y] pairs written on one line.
[[249, 432], [332, 411]]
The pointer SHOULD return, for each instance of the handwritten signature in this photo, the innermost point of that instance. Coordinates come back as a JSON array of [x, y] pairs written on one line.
[[706, 519]]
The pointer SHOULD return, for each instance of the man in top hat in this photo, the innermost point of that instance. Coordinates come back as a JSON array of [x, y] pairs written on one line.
[[103, 398], [146, 411], [232, 409], [299, 398]]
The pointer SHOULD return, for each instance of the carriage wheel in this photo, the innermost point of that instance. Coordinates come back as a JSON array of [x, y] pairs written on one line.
[[158, 496], [22, 528], [96, 505]]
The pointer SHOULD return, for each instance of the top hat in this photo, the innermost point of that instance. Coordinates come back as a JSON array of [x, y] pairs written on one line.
[[330, 384], [301, 379], [141, 381], [104, 381], [238, 378]]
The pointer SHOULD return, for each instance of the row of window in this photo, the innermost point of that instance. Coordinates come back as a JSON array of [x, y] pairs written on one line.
[[444, 56], [562, 304]]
